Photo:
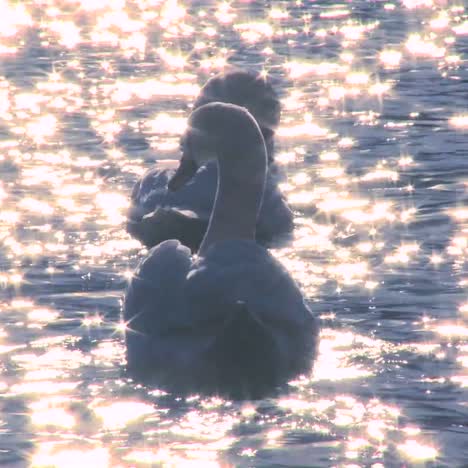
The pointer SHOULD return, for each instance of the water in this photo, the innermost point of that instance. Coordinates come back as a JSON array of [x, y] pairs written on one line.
[[373, 141]]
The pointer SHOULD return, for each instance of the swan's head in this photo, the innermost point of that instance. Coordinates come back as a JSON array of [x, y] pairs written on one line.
[[246, 89], [217, 129]]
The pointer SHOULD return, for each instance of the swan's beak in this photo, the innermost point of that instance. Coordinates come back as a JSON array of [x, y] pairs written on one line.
[[186, 170]]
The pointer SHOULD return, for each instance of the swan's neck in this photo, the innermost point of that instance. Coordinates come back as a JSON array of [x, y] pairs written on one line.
[[241, 181]]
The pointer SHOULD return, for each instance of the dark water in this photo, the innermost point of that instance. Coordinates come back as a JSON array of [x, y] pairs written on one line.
[[374, 143]]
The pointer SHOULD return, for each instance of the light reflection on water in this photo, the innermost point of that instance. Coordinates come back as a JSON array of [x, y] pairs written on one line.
[[373, 143]]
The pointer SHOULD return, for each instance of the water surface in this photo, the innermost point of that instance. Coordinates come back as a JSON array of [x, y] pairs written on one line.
[[373, 141]]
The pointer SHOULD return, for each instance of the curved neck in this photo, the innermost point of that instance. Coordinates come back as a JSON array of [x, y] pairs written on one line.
[[241, 181]]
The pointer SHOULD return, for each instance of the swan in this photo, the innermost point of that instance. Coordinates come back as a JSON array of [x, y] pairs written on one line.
[[157, 214], [228, 320]]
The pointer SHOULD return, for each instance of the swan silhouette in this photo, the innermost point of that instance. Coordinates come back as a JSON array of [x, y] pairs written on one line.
[[157, 214], [230, 320]]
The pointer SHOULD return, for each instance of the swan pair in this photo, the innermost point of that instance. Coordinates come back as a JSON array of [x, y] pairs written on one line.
[[230, 320]]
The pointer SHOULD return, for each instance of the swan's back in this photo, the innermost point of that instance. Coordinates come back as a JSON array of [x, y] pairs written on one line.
[[233, 322], [241, 270], [243, 274]]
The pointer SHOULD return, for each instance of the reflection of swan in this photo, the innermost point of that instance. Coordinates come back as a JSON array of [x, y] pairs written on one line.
[[157, 214], [229, 321]]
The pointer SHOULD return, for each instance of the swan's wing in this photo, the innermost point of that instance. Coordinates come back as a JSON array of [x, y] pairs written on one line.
[[169, 223], [157, 214], [275, 217], [155, 302], [151, 192], [148, 193], [242, 272], [153, 298], [198, 195], [235, 270]]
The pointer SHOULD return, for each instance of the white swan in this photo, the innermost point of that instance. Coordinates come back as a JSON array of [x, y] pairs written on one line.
[[229, 320], [157, 214]]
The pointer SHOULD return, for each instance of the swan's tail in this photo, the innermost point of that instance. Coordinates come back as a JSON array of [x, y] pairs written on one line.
[[247, 356]]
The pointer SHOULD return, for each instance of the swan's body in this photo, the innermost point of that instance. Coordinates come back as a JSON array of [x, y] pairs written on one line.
[[230, 321], [156, 214]]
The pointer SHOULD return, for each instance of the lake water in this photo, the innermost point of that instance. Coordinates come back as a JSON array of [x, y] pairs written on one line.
[[374, 144]]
